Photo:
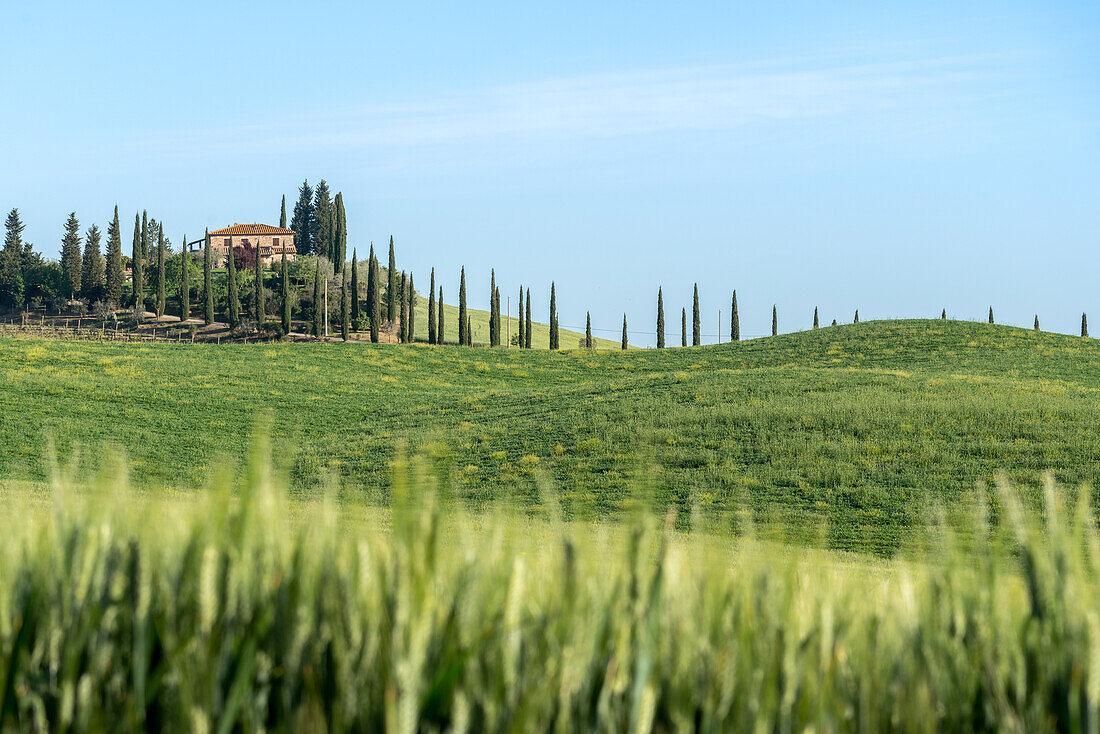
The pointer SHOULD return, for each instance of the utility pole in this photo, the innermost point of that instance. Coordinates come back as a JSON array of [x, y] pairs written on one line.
[[326, 308]]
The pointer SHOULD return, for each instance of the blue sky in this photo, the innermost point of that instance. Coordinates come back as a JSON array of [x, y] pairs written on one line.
[[897, 158]]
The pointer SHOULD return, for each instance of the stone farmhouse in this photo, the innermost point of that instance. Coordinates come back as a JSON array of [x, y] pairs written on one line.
[[271, 241]]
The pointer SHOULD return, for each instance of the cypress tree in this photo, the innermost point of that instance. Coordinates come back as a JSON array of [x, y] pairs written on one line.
[[683, 327], [410, 332], [493, 336], [1084, 325], [160, 273], [137, 270], [318, 305], [145, 235], [439, 319], [404, 326], [834, 322], [91, 273], [735, 323], [815, 317], [391, 287], [371, 282], [553, 317], [991, 314], [345, 310], [588, 330], [375, 283], [469, 331], [115, 275], [1036, 322], [624, 332], [660, 320], [234, 293], [354, 287], [696, 335], [775, 322], [527, 327], [462, 335], [70, 256], [322, 215], [943, 315], [258, 290], [282, 213], [519, 340], [207, 279], [496, 298], [431, 310], [340, 244], [303, 223], [13, 258], [856, 319], [284, 288], [185, 282]]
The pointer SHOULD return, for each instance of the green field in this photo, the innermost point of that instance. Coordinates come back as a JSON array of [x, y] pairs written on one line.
[[845, 436]]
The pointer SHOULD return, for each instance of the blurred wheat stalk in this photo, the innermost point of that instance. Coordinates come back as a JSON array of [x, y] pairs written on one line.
[[236, 610]]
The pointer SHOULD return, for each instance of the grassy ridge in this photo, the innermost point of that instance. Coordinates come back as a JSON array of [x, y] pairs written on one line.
[[130, 611], [847, 434]]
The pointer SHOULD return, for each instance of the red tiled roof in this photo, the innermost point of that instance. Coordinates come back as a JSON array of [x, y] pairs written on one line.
[[251, 229]]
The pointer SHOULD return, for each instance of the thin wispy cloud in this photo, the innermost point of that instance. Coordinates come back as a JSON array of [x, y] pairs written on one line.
[[623, 104]]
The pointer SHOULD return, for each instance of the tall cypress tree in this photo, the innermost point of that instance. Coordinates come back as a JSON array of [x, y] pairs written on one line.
[[624, 332], [439, 319], [340, 244], [403, 328], [553, 317], [493, 336], [284, 289], [160, 273], [92, 271], [519, 339], [345, 309], [207, 279], [775, 322], [462, 335], [696, 335], [375, 298], [527, 327], [354, 287], [588, 330], [815, 317], [282, 213], [303, 223], [322, 215], [431, 310], [318, 305], [259, 298], [1036, 322], [116, 277], [137, 291], [991, 314], [145, 235], [185, 282], [234, 292], [370, 283], [1084, 325], [943, 315], [410, 333], [834, 322], [70, 256], [683, 327], [856, 319], [391, 287], [660, 320], [735, 322]]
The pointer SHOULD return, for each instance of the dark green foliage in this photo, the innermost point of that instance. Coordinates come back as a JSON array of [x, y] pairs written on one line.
[[439, 326], [494, 313], [1084, 325], [856, 319], [323, 216], [116, 276], [469, 331], [284, 291], [660, 319], [410, 331], [355, 287], [519, 335], [431, 311], [137, 289], [318, 303], [92, 268], [345, 308], [372, 283], [12, 278], [341, 245], [1036, 322], [391, 287], [282, 213], [303, 222], [696, 331], [403, 326], [160, 274], [374, 298], [588, 330], [943, 315], [234, 293], [991, 314], [815, 317], [207, 280], [834, 322], [683, 327], [463, 320], [70, 256], [735, 322], [553, 318], [624, 332], [775, 322], [258, 294], [527, 327], [145, 242]]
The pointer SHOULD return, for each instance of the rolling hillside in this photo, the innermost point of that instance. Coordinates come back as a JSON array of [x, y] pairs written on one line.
[[846, 436]]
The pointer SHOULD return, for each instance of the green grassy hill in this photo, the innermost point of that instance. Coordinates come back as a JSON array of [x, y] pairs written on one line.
[[846, 435]]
